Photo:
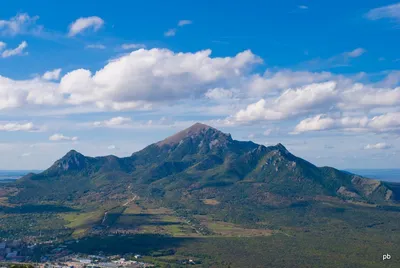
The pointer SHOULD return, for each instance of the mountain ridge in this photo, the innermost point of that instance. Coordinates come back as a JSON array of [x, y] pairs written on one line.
[[201, 161]]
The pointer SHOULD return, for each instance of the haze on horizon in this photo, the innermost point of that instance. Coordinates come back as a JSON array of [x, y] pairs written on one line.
[[114, 80]]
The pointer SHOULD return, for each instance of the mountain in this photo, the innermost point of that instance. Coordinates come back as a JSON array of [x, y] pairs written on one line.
[[201, 163]]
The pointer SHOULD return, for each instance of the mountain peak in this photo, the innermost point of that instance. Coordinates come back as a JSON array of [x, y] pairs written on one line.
[[198, 126], [72, 160], [72, 153], [281, 148], [192, 131]]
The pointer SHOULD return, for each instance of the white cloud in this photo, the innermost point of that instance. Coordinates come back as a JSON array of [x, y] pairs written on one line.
[[20, 93], [291, 102], [170, 32], [96, 46], [378, 146], [134, 81], [18, 127], [26, 154], [355, 53], [390, 11], [2, 45], [283, 79], [392, 79], [52, 75], [315, 123], [61, 137], [323, 122], [219, 94], [153, 75], [113, 122], [132, 46], [184, 22], [359, 95], [386, 122], [19, 50], [257, 111], [111, 147], [83, 24], [167, 82], [22, 23]]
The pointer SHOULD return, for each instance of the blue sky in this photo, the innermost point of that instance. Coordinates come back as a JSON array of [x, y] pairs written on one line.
[[321, 77]]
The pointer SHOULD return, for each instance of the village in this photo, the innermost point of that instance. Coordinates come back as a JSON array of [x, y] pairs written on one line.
[[17, 251], [52, 255]]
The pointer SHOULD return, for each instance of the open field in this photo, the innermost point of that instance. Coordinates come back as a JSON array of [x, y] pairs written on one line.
[[323, 234], [221, 228], [304, 249]]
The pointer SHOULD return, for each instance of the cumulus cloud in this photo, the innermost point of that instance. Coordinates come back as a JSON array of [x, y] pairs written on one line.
[[133, 81], [20, 93], [153, 75], [315, 123], [360, 95], [22, 23], [291, 102], [61, 137], [18, 127], [52, 75], [19, 50], [283, 79], [132, 46], [83, 24], [96, 46], [390, 12], [388, 122], [378, 146], [113, 122], [323, 122], [164, 80], [2, 45]]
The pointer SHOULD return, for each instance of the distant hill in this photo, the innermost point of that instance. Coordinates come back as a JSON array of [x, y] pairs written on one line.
[[201, 163]]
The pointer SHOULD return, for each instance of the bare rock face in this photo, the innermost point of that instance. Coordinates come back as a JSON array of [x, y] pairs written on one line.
[[346, 193], [71, 161], [203, 137], [389, 195], [367, 186]]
